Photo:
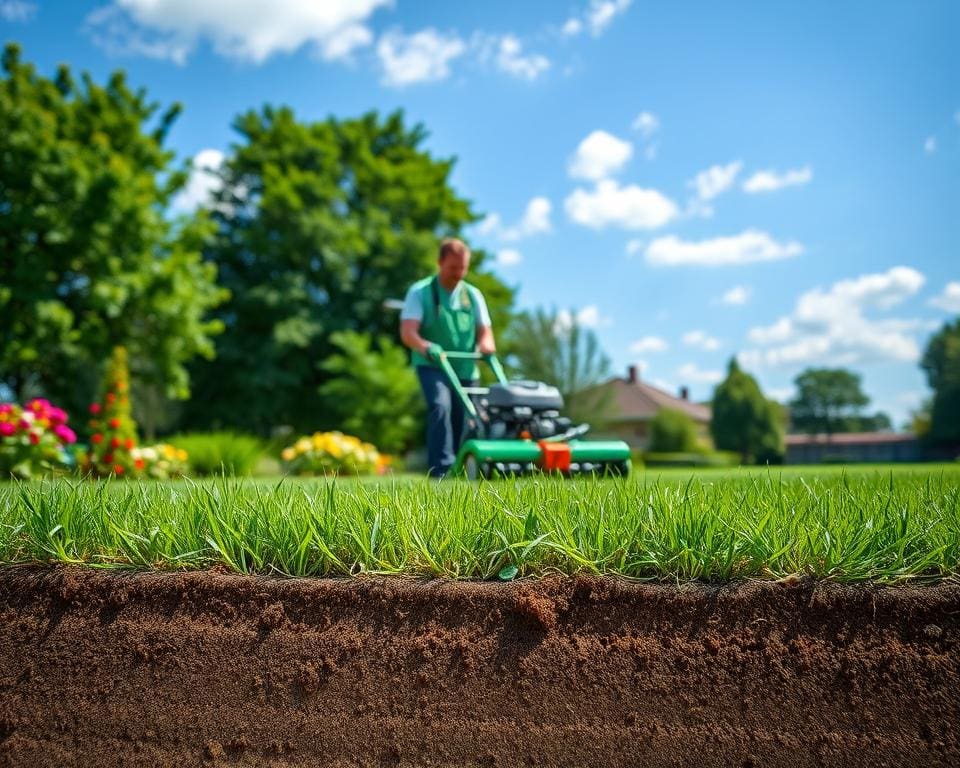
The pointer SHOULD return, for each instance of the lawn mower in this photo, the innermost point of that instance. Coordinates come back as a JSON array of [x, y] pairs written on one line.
[[515, 427]]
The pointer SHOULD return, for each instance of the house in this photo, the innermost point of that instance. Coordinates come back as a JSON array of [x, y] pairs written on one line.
[[852, 447], [634, 403]]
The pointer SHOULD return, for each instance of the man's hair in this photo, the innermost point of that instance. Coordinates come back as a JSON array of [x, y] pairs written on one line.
[[452, 245]]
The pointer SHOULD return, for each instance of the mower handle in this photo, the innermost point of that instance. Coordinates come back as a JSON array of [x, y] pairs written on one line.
[[489, 359]]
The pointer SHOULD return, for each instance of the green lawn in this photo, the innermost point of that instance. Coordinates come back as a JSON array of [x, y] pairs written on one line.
[[845, 523]]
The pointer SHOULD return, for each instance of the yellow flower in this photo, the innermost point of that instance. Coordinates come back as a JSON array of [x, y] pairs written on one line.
[[288, 454], [182, 454], [303, 445], [169, 452]]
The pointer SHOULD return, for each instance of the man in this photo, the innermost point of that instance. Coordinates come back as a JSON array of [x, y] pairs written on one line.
[[445, 313]]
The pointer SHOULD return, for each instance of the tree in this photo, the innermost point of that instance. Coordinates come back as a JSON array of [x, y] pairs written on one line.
[[88, 257], [673, 432], [553, 347], [941, 363], [317, 224], [374, 393], [743, 420], [829, 400]]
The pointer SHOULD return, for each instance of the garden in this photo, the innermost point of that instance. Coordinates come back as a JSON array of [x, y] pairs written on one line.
[[217, 547]]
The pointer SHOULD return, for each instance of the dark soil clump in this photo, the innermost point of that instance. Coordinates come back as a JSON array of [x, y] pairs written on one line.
[[158, 669]]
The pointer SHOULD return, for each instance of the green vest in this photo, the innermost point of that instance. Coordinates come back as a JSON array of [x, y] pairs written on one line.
[[453, 328]]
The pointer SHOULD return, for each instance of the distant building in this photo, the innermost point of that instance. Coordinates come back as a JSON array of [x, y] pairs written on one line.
[[634, 403], [852, 447]]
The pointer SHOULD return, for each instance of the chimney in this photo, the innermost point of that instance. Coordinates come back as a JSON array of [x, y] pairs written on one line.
[[632, 376], [684, 393]]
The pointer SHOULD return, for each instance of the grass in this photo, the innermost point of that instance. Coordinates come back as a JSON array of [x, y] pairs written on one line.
[[843, 524]]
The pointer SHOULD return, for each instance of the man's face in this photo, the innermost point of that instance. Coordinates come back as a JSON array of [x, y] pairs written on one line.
[[453, 267]]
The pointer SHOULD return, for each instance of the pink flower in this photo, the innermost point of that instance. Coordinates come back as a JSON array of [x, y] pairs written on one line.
[[57, 416], [6, 407], [65, 434], [7, 429]]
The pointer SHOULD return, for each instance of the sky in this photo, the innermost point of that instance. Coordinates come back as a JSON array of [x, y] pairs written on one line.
[[774, 181]]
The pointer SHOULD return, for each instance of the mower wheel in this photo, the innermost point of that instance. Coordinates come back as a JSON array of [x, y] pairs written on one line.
[[618, 468], [473, 469]]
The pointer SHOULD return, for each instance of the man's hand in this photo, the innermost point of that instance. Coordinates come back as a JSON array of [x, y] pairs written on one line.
[[433, 352], [485, 343]]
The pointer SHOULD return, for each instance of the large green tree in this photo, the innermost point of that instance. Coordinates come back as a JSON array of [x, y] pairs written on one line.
[[317, 224], [553, 347], [941, 363], [743, 420], [88, 258], [831, 400]]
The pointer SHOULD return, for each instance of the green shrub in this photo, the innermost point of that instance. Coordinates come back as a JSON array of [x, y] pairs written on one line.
[[688, 459], [673, 432], [211, 453]]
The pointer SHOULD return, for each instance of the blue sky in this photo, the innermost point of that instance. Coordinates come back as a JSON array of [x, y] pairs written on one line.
[[778, 181]]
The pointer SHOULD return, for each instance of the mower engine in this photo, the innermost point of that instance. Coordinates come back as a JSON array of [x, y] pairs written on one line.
[[524, 410]]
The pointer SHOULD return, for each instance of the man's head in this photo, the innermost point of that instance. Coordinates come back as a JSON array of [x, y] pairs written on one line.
[[453, 262]]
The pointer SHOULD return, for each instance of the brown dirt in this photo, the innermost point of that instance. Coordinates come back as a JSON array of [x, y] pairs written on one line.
[[216, 669]]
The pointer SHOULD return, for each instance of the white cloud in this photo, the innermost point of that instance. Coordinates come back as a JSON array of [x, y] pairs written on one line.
[[736, 296], [770, 181], [647, 123], [648, 344], [747, 247], [949, 300], [510, 59], [203, 183], [930, 145], [597, 17], [701, 340], [690, 372], [509, 257], [634, 246], [490, 225], [587, 317], [831, 326], [778, 332], [715, 180], [17, 10], [781, 394], [599, 155], [424, 56], [602, 12], [243, 29], [629, 207], [536, 220]]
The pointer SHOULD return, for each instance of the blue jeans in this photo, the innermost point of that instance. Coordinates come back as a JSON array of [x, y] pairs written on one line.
[[446, 419]]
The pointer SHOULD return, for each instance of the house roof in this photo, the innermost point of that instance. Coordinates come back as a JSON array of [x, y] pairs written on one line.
[[851, 438], [639, 401]]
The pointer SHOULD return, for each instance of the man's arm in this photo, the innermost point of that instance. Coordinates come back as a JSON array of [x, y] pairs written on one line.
[[485, 341], [410, 336]]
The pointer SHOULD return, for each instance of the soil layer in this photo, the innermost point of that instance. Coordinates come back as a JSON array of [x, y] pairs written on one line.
[[157, 669]]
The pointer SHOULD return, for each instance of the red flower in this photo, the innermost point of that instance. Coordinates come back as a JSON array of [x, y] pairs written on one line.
[[34, 438], [98, 438], [117, 469], [111, 397], [94, 407], [115, 443], [139, 463], [129, 443], [114, 423], [108, 458]]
